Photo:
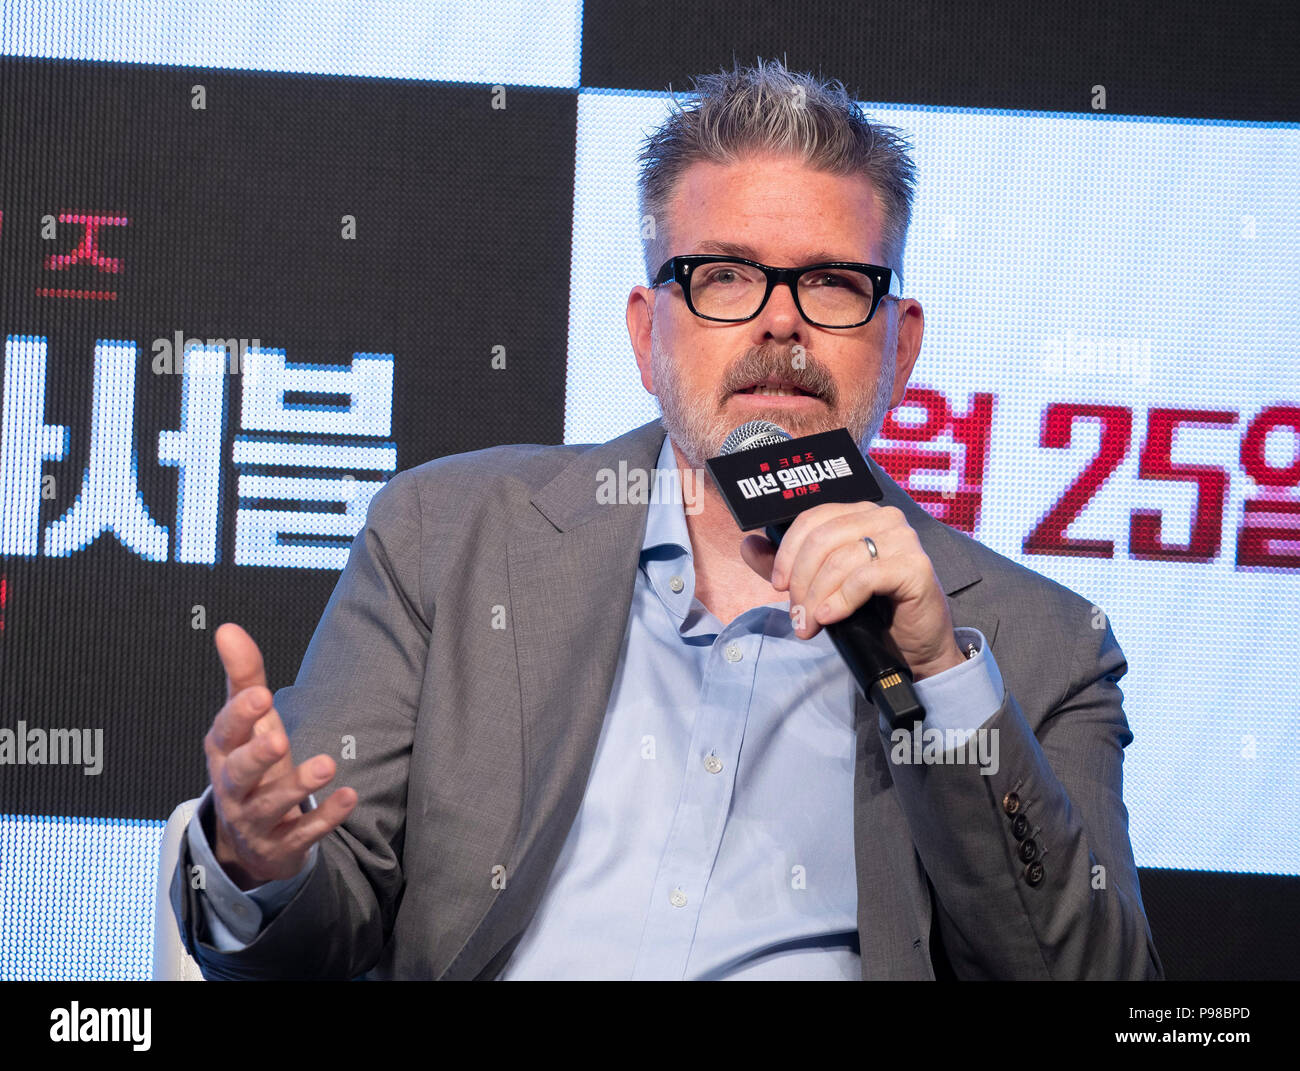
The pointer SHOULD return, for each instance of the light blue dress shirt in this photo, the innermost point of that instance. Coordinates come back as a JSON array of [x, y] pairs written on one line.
[[715, 837]]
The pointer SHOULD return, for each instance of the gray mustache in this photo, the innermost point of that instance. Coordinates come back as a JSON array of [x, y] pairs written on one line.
[[809, 378]]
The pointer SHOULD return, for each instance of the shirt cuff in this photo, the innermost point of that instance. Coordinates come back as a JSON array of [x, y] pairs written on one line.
[[235, 917], [963, 696]]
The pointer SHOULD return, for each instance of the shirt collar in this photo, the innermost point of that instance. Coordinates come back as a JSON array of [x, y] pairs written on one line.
[[666, 517]]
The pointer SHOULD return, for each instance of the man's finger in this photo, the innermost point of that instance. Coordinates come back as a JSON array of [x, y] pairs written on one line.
[[241, 717], [301, 833], [836, 528], [792, 542], [848, 573], [273, 801], [240, 657], [245, 767]]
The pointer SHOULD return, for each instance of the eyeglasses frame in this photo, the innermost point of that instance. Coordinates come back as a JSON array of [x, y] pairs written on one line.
[[678, 270]]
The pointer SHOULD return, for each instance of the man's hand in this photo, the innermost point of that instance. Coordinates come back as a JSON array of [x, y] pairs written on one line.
[[828, 569], [262, 834]]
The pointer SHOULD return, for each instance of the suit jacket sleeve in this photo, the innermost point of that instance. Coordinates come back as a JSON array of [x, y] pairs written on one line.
[[1074, 909], [357, 692]]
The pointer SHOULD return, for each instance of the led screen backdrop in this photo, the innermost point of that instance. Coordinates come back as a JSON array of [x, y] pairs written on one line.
[[414, 226]]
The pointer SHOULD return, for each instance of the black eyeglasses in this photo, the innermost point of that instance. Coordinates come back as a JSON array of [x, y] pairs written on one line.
[[834, 294]]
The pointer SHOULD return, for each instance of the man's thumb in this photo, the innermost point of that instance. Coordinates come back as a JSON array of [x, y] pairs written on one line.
[[240, 657]]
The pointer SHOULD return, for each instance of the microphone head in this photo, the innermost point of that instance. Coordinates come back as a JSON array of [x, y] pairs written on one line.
[[753, 434]]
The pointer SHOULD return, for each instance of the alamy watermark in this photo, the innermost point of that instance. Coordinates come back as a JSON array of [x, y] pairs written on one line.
[[178, 354], [933, 746], [23, 746], [75, 1023], [636, 486], [1087, 355]]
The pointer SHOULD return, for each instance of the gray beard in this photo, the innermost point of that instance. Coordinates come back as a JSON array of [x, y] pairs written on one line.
[[698, 428]]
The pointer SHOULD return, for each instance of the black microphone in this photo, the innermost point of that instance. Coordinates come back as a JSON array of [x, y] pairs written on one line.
[[882, 675]]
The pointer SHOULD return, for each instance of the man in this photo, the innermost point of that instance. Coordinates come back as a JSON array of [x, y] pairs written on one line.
[[583, 738]]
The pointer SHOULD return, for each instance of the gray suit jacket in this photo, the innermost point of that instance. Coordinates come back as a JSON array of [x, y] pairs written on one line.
[[469, 651]]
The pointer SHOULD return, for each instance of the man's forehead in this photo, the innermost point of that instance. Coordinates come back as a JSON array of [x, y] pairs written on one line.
[[712, 210], [799, 254]]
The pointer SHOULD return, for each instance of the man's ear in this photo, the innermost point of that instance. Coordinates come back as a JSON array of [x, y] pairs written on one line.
[[911, 326], [640, 323]]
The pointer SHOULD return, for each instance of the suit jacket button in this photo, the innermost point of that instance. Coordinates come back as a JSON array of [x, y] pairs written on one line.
[[1028, 850], [1034, 874], [1011, 803], [1019, 826]]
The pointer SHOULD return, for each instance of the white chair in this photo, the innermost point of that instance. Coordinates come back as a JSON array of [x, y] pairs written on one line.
[[171, 962]]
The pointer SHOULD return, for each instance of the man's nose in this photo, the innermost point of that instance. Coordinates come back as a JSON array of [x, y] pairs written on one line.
[[780, 318]]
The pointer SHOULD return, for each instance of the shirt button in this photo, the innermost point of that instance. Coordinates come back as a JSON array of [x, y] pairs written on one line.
[[733, 653], [678, 898], [676, 583], [713, 764], [1011, 803]]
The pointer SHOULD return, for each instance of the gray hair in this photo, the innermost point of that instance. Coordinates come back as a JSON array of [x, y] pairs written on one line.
[[767, 108]]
